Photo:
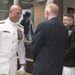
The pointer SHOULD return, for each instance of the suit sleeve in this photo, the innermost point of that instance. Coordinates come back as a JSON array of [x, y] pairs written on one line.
[[37, 42], [21, 51]]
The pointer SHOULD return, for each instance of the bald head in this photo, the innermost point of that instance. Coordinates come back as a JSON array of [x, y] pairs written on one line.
[[15, 12], [14, 7], [51, 10]]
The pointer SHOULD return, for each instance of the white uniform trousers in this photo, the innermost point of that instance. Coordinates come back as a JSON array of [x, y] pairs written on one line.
[[68, 71]]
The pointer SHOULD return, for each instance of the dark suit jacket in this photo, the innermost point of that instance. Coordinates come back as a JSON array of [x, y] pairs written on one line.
[[48, 47], [69, 55]]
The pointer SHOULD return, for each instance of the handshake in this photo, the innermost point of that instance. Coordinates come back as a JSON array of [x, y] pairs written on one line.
[[22, 70]]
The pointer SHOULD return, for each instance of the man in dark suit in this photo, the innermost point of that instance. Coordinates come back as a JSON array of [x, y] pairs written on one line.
[[48, 44], [69, 55]]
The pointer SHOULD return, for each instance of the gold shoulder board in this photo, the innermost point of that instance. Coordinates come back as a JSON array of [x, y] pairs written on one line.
[[21, 26]]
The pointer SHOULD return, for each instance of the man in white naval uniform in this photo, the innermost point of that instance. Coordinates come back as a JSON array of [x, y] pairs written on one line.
[[11, 42]]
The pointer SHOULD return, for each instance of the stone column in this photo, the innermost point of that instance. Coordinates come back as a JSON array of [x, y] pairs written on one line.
[[18, 2], [49, 1]]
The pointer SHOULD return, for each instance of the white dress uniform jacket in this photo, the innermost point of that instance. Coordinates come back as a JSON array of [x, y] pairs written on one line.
[[9, 48]]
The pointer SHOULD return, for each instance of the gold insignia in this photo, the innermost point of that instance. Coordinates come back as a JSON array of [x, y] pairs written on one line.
[[21, 26]]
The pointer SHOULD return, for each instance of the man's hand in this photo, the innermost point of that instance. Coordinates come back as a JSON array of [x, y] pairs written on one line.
[[22, 70]]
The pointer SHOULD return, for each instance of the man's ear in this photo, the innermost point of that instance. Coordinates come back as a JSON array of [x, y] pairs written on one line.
[[47, 13]]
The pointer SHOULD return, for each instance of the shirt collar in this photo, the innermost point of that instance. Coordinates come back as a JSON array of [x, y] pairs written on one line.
[[9, 21], [52, 17]]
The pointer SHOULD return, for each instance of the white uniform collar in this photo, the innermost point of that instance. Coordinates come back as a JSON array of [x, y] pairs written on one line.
[[9, 21]]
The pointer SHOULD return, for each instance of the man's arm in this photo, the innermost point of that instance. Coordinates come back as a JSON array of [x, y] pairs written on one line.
[[21, 52], [37, 42], [21, 47]]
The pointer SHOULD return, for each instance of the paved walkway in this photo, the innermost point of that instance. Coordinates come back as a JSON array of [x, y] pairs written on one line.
[[18, 73]]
